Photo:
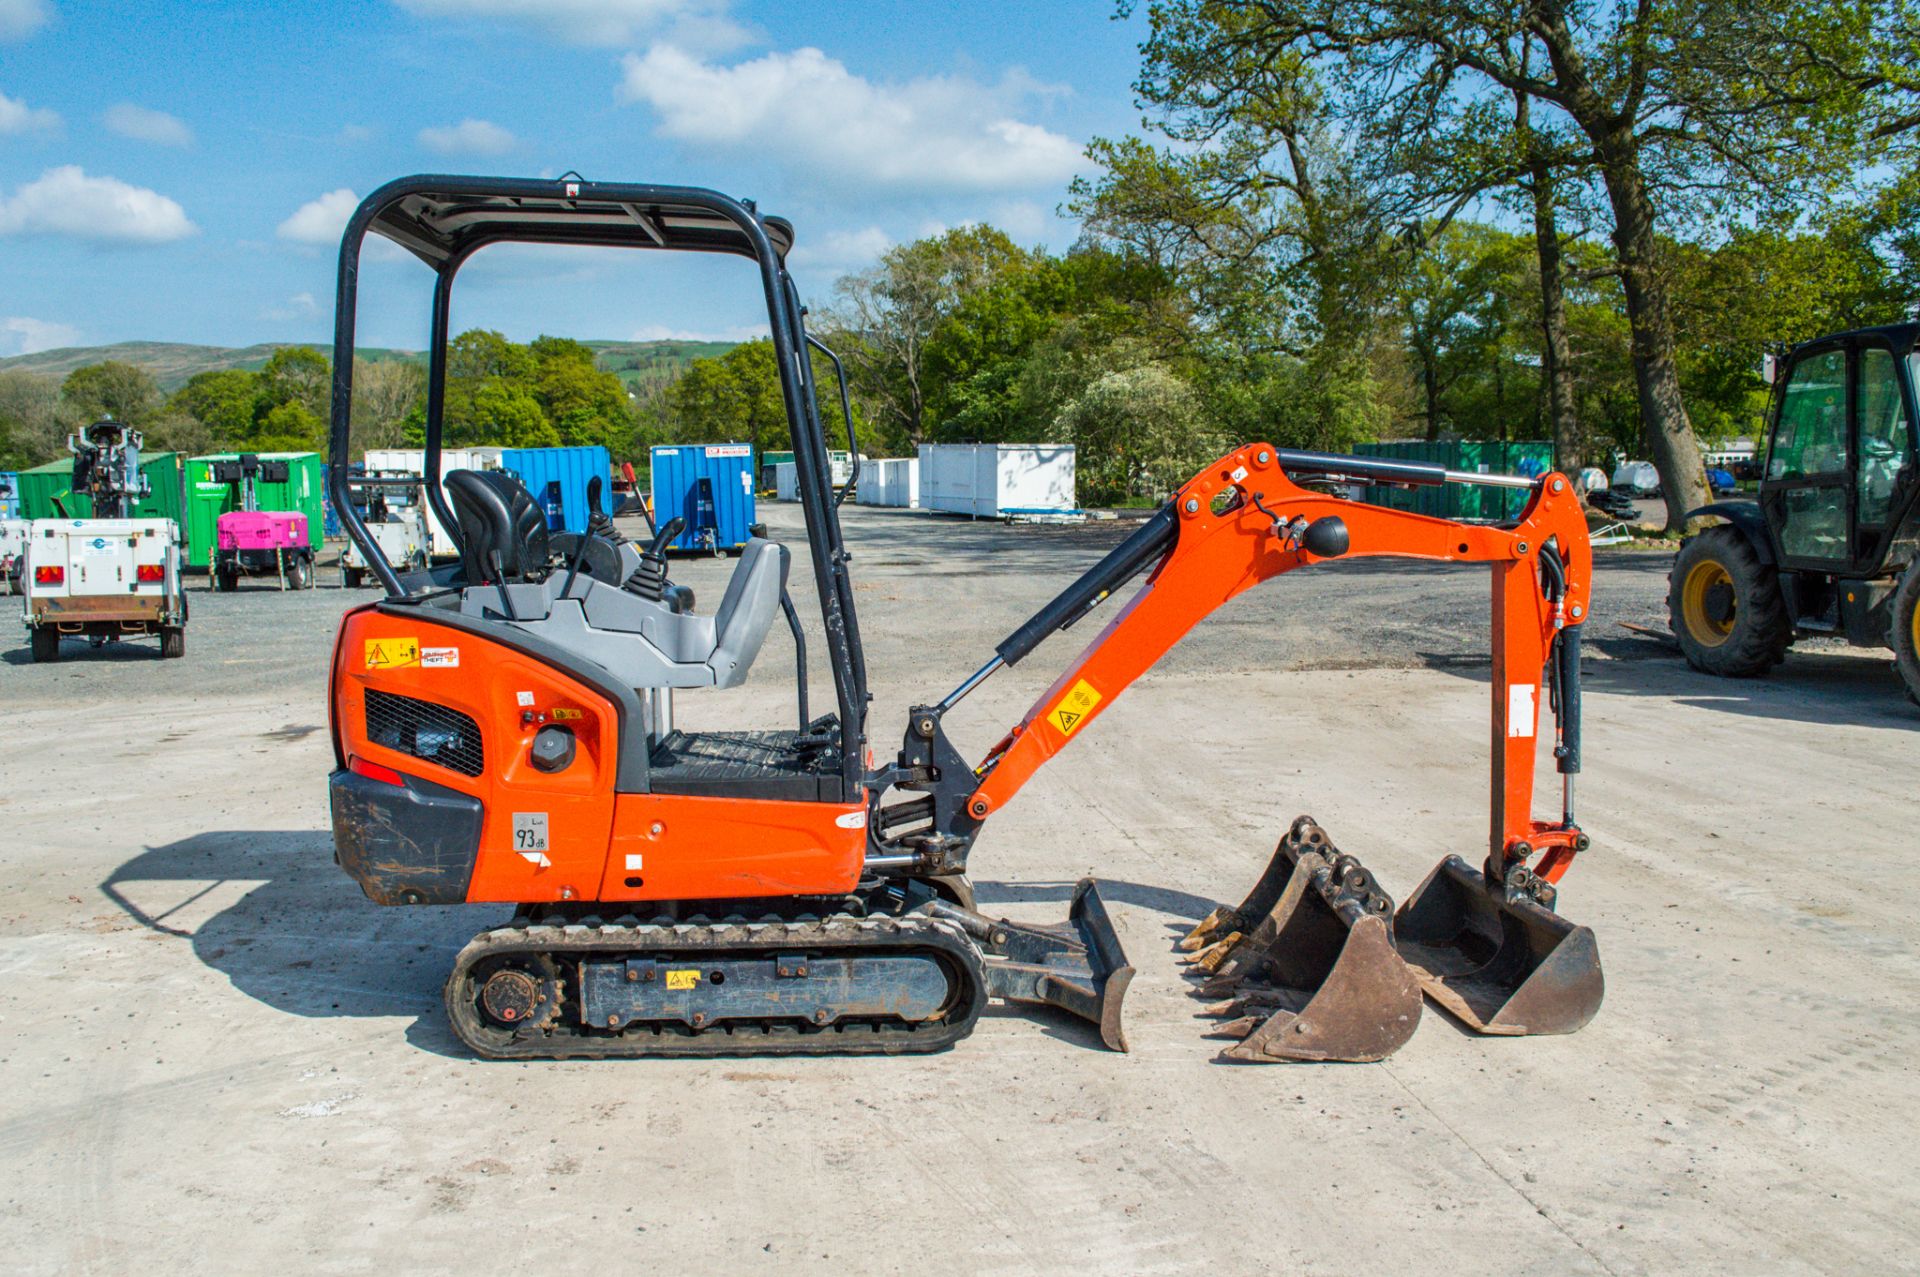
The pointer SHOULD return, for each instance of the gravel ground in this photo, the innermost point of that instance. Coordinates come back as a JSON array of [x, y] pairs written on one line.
[[222, 1058]]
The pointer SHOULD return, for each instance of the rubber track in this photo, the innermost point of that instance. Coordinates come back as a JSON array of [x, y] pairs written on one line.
[[567, 944]]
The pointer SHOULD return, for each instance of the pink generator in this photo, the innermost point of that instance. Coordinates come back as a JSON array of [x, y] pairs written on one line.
[[258, 542]]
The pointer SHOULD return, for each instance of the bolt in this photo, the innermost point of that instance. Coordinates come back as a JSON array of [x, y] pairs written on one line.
[[1193, 505], [1578, 611], [613, 1022], [820, 1017], [799, 970], [633, 976], [1559, 485], [786, 971], [699, 1018], [507, 1013], [1520, 548], [979, 807], [656, 829], [1263, 456], [566, 893]]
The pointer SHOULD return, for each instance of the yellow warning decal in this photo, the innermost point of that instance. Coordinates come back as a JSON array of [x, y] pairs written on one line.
[[392, 653], [1074, 707], [683, 979], [561, 714]]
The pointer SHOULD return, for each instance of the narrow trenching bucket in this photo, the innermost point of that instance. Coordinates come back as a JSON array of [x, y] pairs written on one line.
[[1496, 955], [1314, 975]]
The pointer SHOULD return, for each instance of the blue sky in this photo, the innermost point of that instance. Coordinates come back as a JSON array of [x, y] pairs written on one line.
[[180, 172]]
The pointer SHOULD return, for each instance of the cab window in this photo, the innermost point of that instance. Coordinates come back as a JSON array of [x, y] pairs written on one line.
[[1811, 438], [1886, 436]]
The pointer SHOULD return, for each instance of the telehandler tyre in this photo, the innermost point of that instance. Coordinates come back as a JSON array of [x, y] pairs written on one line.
[[1725, 606], [1904, 634]]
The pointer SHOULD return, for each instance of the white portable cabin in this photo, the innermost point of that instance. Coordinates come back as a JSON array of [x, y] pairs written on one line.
[[889, 481], [414, 461], [991, 480]]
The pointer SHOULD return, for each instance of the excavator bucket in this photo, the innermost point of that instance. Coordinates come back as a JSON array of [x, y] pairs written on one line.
[[1314, 976], [1496, 955]]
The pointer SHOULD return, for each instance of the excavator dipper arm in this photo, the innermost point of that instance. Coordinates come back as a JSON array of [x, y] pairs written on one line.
[[1243, 520]]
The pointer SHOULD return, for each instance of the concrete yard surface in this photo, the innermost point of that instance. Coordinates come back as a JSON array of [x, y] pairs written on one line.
[[220, 1057]]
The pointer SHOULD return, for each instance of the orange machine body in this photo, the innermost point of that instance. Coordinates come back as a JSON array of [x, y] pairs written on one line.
[[599, 844]]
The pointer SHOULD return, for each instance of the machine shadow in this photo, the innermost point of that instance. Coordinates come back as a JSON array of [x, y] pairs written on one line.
[[112, 649], [1180, 904], [300, 938], [1836, 688]]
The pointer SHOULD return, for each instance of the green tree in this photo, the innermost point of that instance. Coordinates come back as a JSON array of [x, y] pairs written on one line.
[[297, 375], [35, 420], [114, 389], [1134, 433], [223, 402], [1677, 105]]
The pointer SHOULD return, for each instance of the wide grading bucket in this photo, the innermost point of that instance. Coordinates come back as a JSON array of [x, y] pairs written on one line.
[[1305, 968], [1496, 955]]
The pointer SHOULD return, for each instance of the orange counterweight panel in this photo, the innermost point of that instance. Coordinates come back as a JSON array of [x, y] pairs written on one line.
[[676, 847], [545, 835]]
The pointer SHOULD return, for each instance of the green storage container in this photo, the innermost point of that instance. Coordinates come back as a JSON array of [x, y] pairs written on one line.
[[1461, 500], [42, 485], [304, 492]]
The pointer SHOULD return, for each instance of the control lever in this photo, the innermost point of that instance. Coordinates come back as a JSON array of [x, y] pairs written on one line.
[[649, 580], [598, 524]]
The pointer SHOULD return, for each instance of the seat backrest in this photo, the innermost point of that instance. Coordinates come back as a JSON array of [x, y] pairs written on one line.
[[497, 516], [746, 611]]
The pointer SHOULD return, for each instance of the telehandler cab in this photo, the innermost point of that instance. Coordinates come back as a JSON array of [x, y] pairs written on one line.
[[503, 733], [1828, 548]]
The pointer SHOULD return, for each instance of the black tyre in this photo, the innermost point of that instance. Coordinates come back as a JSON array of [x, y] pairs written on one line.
[[225, 579], [1904, 634], [1725, 606], [351, 577], [300, 573], [46, 643], [173, 642]]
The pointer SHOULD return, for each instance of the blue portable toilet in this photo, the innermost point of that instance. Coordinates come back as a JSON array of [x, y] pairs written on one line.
[[9, 494], [710, 486], [557, 479]]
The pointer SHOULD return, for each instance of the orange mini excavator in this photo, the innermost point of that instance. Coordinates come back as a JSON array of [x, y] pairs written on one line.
[[504, 733]]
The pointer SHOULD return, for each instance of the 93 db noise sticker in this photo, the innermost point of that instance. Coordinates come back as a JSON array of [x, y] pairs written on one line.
[[530, 835], [1074, 707]]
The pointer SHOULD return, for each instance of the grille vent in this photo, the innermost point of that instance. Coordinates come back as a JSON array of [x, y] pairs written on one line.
[[425, 730]]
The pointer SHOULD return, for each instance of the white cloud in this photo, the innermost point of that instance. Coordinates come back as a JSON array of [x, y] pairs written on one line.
[[17, 117], [20, 335], [840, 250], [694, 23], [21, 18], [65, 201], [806, 108], [321, 221], [145, 125], [469, 137], [298, 306]]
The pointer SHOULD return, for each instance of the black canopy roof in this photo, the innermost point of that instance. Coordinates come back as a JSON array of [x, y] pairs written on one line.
[[442, 218]]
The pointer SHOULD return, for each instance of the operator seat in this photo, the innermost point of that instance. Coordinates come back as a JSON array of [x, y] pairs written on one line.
[[498, 519]]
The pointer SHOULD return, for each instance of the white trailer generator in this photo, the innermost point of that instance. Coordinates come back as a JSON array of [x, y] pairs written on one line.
[[394, 509], [102, 579]]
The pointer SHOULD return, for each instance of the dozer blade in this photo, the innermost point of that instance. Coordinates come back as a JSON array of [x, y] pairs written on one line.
[[1316, 978], [1496, 955], [1078, 966]]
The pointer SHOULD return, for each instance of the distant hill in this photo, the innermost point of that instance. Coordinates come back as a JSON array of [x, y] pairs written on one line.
[[635, 362]]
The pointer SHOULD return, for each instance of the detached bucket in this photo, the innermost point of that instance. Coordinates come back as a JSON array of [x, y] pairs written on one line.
[[1496, 955], [1315, 978], [1220, 931]]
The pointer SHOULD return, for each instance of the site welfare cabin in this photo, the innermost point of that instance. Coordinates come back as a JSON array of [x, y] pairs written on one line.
[[1531, 458], [41, 486], [889, 481], [440, 543], [304, 492], [995, 480], [708, 485], [557, 480]]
